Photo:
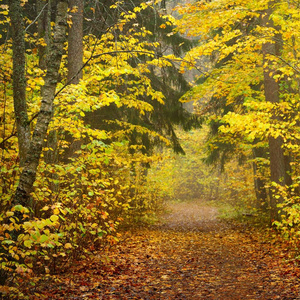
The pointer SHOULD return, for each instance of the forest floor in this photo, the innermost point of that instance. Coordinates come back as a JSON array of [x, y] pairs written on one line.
[[191, 254]]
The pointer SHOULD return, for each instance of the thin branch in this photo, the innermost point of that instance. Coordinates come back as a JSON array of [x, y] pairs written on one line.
[[288, 64], [71, 79], [126, 51], [37, 17], [14, 132], [7, 138], [99, 55]]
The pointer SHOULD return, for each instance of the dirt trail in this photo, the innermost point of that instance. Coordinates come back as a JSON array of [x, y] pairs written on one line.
[[190, 255], [191, 216]]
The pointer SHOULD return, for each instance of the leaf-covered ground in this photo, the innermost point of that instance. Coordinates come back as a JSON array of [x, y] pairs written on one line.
[[192, 255]]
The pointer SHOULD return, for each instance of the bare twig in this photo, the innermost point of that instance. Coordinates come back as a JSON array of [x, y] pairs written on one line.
[[37, 17]]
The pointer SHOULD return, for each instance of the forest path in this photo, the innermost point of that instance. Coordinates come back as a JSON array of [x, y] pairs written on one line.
[[190, 255]]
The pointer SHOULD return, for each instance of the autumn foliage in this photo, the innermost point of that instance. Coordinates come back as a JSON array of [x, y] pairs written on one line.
[[98, 160], [248, 87], [91, 176]]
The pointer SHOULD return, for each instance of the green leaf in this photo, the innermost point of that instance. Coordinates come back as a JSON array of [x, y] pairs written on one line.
[[68, 210], [8, 242], [28, 243], [44, 238]]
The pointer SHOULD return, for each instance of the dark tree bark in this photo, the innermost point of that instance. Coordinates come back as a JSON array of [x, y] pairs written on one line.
[[44, 29], [19, 80], [28, 176], [75, 41], [279, 163], [75, 61]]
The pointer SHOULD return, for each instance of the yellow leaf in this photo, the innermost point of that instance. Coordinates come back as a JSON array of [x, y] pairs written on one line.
[[68, 246], [56, 211], [54, 218]]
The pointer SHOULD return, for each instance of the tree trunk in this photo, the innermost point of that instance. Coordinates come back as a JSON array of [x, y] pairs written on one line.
[[27, 178], [44, 32], [75, 62], [19, 80], [279, 165], [75, 42], [44, 29]]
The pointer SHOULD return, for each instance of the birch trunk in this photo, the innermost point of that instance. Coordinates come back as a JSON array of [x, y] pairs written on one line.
[[28, 176]]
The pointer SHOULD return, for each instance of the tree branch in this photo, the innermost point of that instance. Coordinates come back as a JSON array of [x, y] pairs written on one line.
[[37, 17]]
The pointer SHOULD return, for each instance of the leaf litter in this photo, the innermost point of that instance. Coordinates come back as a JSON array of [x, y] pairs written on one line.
[[190, 255]]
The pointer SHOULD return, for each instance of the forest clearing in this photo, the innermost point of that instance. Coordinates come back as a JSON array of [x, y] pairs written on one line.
[[149, 149]]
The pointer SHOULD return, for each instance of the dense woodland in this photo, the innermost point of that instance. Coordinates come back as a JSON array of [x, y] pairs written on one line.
[[95, 134]]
